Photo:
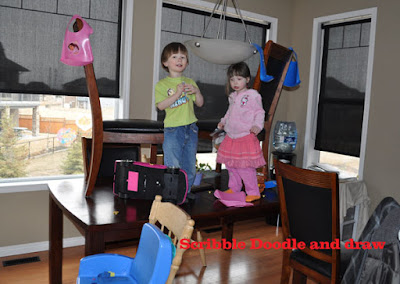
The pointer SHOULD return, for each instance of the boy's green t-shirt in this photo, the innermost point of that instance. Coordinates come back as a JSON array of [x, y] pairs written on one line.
[[181, 112]]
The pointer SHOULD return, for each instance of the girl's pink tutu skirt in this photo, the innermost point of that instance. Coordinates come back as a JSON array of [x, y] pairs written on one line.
[[243, 152]]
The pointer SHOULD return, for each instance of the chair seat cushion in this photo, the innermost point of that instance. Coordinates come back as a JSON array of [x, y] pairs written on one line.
[[133, 126]]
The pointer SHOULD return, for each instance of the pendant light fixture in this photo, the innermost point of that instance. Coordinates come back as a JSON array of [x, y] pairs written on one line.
[[219, 50]]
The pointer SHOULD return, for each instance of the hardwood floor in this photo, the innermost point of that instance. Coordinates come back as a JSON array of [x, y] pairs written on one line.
[[236, 266]]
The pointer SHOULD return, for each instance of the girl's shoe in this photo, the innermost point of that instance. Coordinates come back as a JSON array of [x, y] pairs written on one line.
[[250, 198]]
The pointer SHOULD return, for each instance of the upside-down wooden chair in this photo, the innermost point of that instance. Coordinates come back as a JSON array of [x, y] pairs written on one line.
[[309, 205], [276, 59], [178, 225], [125, 131]]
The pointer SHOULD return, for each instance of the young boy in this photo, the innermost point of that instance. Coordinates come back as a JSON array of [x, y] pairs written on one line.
[[176, 94]]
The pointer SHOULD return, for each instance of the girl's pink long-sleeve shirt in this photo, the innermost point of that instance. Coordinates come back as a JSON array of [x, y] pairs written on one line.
[[245, 111]]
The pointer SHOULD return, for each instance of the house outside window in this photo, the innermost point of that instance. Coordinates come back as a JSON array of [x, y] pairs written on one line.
[[339, 94], [44, 102]]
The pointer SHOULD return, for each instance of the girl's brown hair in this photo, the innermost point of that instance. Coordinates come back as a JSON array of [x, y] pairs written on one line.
[[238, 69], [172, 48]]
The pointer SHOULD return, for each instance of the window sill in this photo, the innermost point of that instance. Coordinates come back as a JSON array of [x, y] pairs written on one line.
[[32, 184]]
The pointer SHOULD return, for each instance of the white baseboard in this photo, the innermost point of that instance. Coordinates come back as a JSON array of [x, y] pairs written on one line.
[[38, 246]]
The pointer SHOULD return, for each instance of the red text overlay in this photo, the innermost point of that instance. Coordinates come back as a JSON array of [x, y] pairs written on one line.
[[287, 244]]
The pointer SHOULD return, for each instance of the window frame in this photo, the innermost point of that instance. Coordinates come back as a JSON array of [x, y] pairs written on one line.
[[197, 4], [68, 85], [311, 156], [121, 106]]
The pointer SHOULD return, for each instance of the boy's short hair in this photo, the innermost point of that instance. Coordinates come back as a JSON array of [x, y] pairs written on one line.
[[171, 48]]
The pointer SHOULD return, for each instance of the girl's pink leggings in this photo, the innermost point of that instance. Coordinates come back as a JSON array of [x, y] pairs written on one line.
[[249, 177]]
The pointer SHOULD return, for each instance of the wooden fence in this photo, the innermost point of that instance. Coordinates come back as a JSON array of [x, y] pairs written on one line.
[[47, 124]]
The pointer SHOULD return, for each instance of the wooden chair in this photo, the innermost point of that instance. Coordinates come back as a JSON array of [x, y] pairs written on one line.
[[276, 59], [178, 225], [309, 202], [126, 131]]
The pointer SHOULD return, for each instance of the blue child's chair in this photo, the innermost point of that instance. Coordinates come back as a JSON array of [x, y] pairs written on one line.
[[152, 263]]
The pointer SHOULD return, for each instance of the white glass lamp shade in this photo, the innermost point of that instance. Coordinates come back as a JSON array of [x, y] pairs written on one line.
[[221, 51]]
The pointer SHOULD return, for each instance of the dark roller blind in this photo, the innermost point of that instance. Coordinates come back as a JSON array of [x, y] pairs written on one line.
[[31, 37], [342, 91]]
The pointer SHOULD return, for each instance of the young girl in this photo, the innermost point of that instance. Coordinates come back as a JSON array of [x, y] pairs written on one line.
[[240, 150]]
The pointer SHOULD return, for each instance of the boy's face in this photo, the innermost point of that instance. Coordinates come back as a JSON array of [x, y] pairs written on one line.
[[176, 63]]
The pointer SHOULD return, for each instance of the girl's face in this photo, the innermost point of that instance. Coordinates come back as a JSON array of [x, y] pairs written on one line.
[[239, 83], [176, 63]]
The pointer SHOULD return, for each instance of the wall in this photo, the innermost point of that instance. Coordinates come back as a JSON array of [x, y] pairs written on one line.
[[142, 58], [383, 153], [382, 150], [24, 218]]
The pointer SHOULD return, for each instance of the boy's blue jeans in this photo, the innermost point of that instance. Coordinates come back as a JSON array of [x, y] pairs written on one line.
[[180, 148]]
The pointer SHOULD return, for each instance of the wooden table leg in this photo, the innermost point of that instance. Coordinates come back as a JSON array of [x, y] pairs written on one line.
[[153, 154], [227, 230], [94, 242], [55, 242]]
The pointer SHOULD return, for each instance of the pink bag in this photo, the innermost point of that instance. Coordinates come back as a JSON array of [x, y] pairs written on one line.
[[76, 50]]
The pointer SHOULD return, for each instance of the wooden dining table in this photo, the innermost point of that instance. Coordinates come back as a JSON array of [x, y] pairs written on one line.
[[104, 218]]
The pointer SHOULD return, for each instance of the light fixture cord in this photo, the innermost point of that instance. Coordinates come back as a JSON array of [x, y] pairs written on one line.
[[223, 18], [220, 19], [217, 4], [225, 24], [237, 9]]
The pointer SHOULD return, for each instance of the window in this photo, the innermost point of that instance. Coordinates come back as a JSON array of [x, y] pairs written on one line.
[[186, 20], [340, 83], [43, 102], [182, 23]]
